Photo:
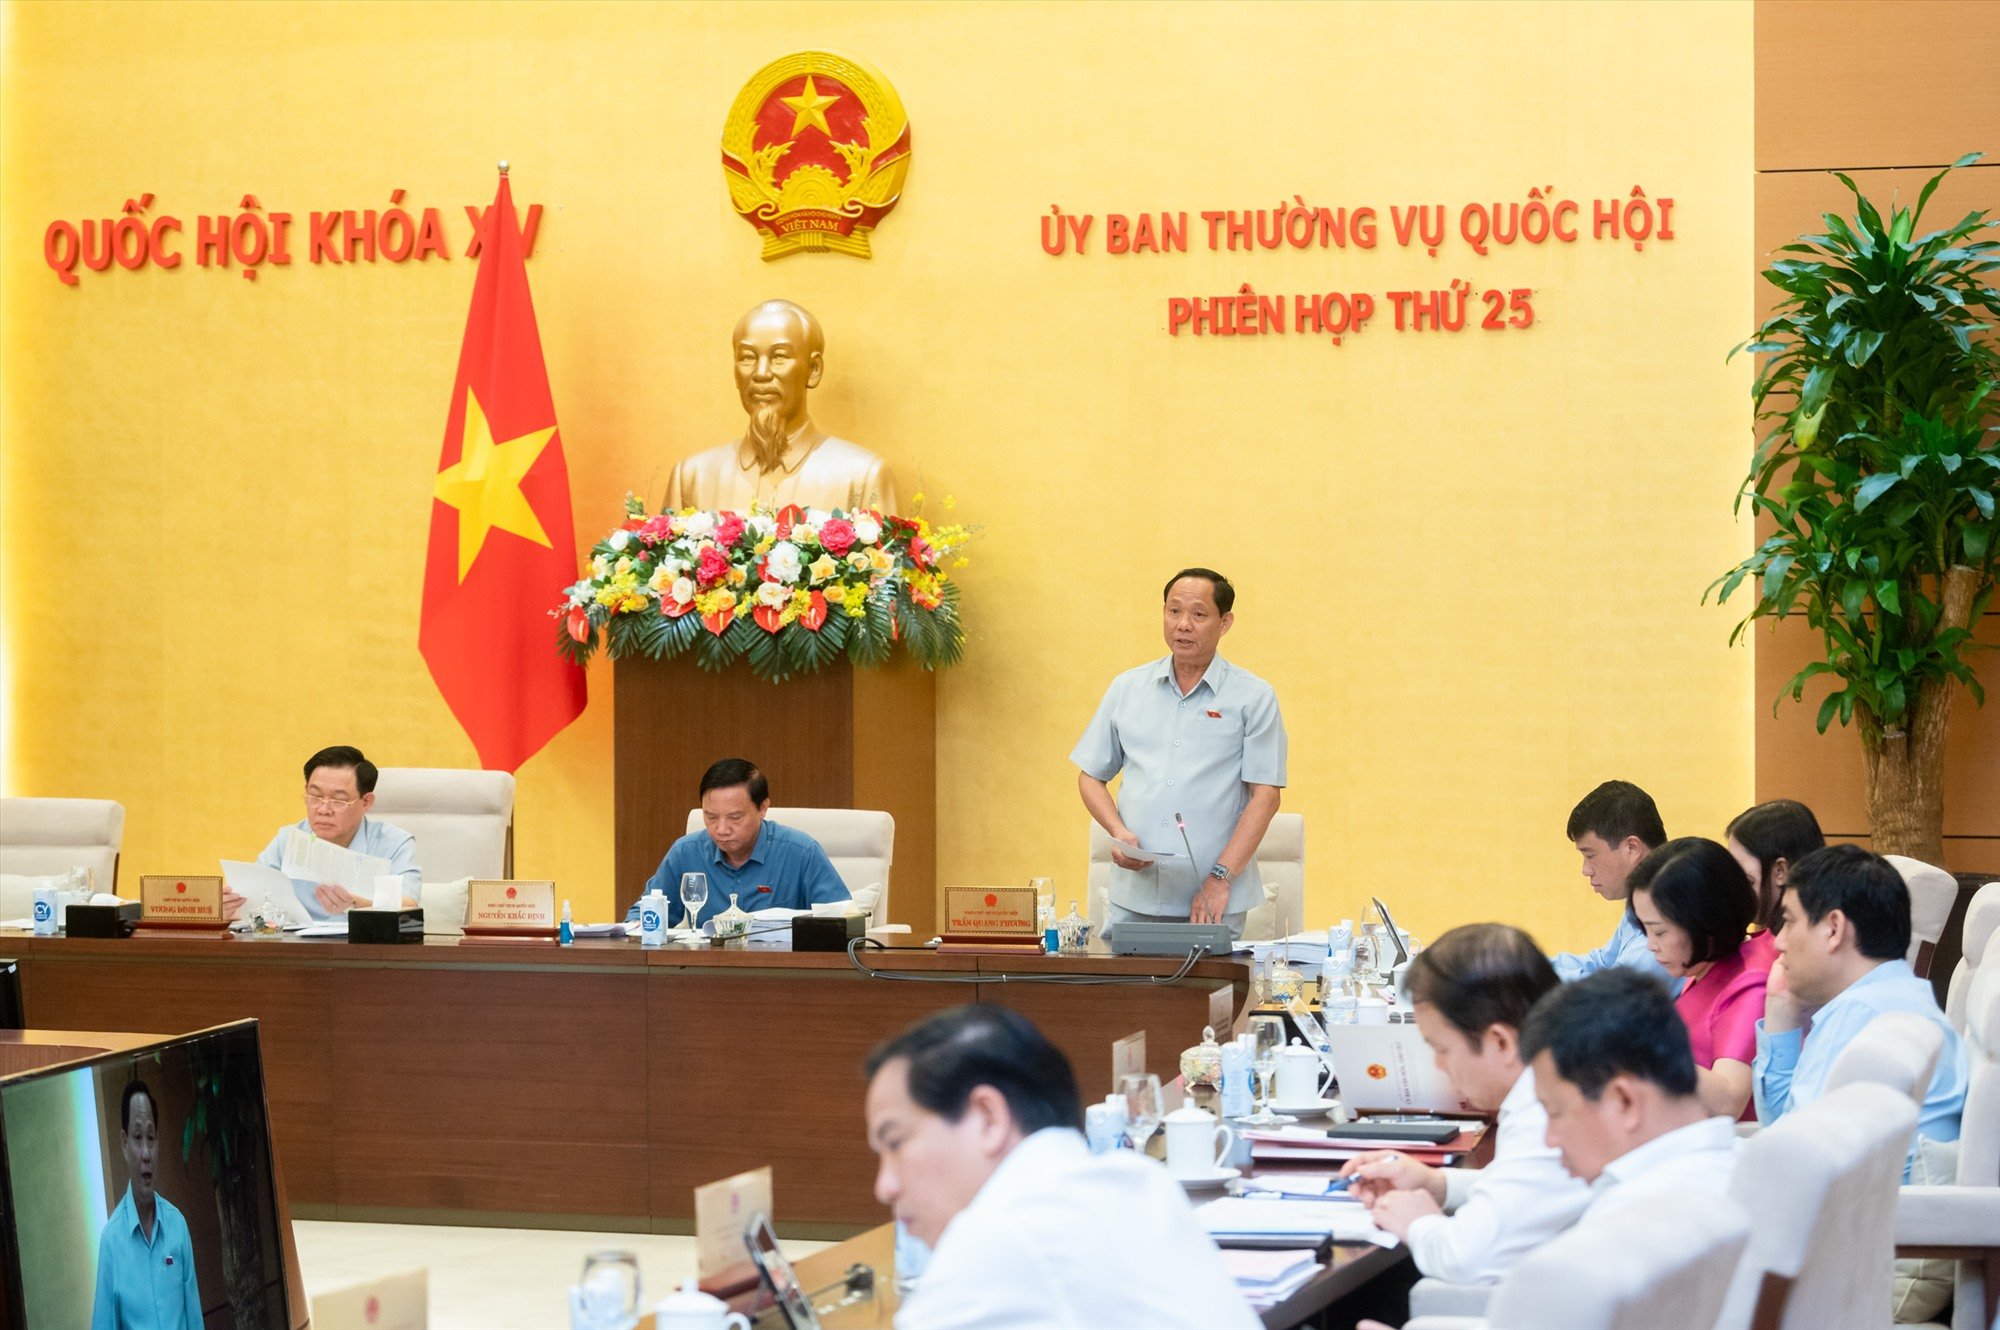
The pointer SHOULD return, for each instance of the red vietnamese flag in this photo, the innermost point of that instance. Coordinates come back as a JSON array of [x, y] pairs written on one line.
[[502, 544]]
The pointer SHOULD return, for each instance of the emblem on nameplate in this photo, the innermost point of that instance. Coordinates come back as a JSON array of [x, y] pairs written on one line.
[[991, 919], [497, 908], [814, 151]]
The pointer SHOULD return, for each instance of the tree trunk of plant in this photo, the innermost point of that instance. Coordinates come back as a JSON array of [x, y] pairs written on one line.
[[1906, 767]]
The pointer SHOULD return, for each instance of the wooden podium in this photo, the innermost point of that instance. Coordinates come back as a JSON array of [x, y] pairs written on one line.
[[841, 738]]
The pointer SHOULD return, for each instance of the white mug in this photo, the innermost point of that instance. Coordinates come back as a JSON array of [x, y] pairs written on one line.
[[691, 1309], [1302, 1075], [1196, 1143], [1371, 1011]]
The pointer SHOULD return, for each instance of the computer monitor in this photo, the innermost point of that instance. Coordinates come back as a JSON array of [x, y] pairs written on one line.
[[178, 1128], [11, 1015]]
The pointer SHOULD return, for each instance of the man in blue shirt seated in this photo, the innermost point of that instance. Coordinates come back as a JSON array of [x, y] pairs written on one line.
[[1844, 928], [1615, 826], [764, 865], [145, 1259], [340, 789]]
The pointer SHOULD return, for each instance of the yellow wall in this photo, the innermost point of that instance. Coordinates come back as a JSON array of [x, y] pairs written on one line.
[[1470, 564]]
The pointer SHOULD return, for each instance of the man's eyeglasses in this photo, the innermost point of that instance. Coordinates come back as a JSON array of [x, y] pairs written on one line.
[[336, 802]]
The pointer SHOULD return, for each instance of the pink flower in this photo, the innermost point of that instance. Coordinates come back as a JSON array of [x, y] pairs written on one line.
[[728, 529], [836, 536], [714, 566]]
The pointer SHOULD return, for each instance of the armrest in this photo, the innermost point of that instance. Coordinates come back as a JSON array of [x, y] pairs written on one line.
[[1438, 1297], [1948, 1216], [1445, 1323]]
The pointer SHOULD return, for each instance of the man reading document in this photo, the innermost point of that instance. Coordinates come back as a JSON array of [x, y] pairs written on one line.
[[340, 789], [1198, 740]]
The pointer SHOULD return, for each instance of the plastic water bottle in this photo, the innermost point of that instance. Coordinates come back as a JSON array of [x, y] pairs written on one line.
[[653, 919], [1339, 995], [45, 911], [1237, 1101]]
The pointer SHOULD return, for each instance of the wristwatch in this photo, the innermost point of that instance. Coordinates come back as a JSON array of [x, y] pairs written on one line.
[[1219, 873]]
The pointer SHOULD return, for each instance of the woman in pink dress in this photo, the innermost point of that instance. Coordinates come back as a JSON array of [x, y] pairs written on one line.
[[1767, 840], [1695, 906]]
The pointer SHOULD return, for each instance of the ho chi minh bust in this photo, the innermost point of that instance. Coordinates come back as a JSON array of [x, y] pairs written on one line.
[[782, 458]]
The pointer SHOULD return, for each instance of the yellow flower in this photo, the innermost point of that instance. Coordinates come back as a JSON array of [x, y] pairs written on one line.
[[737, 577], [719, 601], [857, 609], [879, 560], [823, 568], [917, 499], [858, 560], [764, 545]]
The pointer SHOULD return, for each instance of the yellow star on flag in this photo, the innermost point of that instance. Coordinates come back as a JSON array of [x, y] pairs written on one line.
[[484, 485], [810, 107]]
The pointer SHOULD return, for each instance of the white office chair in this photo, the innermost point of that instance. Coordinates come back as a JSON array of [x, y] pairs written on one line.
[[1281, 862], [463, 820], [1636, 1267], [1898, 1049], [1819, 1186], [1982, 918], [861, 842], [1962, 1221], [40, 837], [1932, 894]]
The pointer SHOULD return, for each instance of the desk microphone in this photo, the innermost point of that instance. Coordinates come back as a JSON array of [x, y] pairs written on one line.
[[1184, 841]]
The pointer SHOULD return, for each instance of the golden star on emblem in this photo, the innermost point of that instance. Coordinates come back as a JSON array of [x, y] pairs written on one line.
[[484, 485], [810, 108]]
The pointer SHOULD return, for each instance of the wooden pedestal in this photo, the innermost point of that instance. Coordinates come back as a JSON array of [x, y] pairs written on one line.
[[841, 738]]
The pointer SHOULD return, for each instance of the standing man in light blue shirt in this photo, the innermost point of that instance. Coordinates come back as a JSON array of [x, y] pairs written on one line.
[[145, 1259], [1196, 738], [340, 789], [1844, 928], [1615, 826]]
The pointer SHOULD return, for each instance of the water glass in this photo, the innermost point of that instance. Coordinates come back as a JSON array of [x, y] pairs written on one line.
[[609, 1291], [1142, 1108], [1268, 1032], [694, 895]]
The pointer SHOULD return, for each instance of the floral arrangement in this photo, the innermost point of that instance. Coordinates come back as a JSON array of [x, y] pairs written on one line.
[[787, 591]]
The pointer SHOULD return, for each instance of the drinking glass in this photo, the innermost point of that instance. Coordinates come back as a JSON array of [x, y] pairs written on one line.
[[610, 1290], [1269, 1033], [694, 895], [1142, 1108], [1045, 900]]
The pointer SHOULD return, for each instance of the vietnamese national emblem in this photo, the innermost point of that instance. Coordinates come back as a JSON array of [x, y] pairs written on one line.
[[814, 151]]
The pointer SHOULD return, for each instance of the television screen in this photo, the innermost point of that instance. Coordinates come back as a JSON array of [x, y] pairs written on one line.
[[137, 1190]]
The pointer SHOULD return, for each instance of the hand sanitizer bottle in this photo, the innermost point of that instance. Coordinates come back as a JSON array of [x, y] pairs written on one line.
[[567, 932]]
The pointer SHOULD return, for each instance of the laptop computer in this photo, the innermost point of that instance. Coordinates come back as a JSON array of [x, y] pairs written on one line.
[[1389, 1068]]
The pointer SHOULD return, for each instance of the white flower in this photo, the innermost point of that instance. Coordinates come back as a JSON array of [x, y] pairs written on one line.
[[620, 539], [804, 533], [774, 595], [683, 590], [818, 517], [623, 566], [600, 566], [783, 562], [761, 525], [867, 530], [700, 526]]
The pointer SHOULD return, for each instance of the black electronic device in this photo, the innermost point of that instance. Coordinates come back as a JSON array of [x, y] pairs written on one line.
[[385, 926], [1395, 937], [13, 1015], [1399, 1127], [779, 1277], [199, 1144], [819, 932], [103, 920]]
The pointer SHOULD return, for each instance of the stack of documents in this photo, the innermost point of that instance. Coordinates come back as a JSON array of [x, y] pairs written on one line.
[[1267, 1278], [1305, 950], [1274, 1222], [1315, 1145]]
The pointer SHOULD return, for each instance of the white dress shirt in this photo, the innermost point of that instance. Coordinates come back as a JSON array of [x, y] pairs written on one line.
[[1501, 1212], [1701, 1155], [1061, 1238]]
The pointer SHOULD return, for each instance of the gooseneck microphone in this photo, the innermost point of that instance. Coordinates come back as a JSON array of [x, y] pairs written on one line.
[[1198, 869]]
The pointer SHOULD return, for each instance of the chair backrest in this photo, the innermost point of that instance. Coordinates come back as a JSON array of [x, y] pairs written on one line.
[[1898, 1049], [861, 842], [1635, 1267], [1932, 894], [463, 819], [1979, 1123], [1982, 918], [1819, 1186], [1281, 863], [39, 837]]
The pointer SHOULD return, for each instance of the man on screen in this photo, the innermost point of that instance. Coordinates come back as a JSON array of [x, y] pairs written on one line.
[[764, 865], [145, 1261], [340, 789], [1197, 739]]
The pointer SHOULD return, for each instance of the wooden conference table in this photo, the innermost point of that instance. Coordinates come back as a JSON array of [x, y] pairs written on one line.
[[591, 1086]]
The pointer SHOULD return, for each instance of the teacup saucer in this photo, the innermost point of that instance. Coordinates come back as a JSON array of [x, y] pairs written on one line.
[[1219, 1177], [1310, 1109]]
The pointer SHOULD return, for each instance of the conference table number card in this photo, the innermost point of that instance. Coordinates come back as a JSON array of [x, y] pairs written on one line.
[[166, 901]]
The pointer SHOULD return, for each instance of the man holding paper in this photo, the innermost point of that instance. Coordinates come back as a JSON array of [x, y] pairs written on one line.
[[334, 855], [1201, 746]]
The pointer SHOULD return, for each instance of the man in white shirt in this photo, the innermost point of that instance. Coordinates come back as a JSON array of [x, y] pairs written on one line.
[[975, 1118], [1616, 1076]]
